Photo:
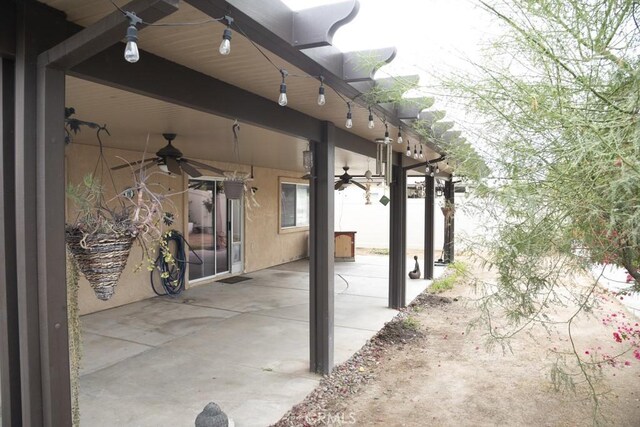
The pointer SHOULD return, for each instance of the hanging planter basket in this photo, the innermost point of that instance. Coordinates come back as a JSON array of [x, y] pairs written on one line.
[[233, 189], [101, 258]]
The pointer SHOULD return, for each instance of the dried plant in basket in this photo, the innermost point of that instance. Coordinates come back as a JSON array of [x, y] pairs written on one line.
[[101, 237]]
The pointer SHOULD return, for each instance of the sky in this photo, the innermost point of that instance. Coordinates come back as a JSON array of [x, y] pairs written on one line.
[[431, 36]]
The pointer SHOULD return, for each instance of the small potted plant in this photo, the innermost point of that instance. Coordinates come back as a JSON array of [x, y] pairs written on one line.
[[234, 184], [101, 236]]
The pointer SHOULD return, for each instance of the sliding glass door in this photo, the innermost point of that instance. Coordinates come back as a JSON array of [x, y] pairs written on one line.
[[215, 230]]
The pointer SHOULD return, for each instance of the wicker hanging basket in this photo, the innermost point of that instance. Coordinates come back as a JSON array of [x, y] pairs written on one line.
[[233, 189], [101, 258]]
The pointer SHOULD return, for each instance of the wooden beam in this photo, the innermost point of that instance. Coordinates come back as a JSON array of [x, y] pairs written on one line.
[[316, 26], [321, 260], [449, 235], [9, 330], [263, 23], [26, 219], [52, 284], [397, 237], [411, 108], [429, 229], [104, 33], [361, 66]]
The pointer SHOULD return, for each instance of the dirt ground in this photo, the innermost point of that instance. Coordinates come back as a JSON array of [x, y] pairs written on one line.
[[445, 376]]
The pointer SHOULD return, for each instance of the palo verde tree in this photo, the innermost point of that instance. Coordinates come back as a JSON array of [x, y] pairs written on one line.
[[556, 119]]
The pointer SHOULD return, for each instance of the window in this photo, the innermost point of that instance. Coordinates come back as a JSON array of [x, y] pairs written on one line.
[[294, 205]]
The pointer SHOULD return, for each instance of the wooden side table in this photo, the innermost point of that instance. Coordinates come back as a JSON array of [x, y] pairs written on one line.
[[345, 246]]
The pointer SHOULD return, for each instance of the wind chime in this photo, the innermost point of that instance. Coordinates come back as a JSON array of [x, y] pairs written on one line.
[[384, 153]]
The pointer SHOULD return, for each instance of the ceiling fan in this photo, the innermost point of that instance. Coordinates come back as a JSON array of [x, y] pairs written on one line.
[[346, 179], [169, 159]]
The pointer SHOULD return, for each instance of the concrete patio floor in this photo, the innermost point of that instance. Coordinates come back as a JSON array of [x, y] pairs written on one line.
[[244, 346]]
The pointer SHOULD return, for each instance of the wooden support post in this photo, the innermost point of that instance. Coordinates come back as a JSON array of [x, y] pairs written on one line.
[[52, 284], [429, 215], [397, 237], [449, 235], [321, 263], [26, 217], [9, 342]]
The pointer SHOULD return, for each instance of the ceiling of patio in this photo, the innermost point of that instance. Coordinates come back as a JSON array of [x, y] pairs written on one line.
[[197, 47]]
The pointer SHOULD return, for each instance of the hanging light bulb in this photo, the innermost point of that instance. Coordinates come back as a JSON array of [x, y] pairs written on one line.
[[427, 168], [225, 45], [371, 124], [282, 99], [321, 98], [387, 140], [408, 150], [415, 152], [431, 174], [400, 135], [421, 155], [349, 123], [131, 53], [437, 169]]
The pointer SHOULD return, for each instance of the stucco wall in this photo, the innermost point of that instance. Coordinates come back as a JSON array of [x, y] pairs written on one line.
[[264, 245]]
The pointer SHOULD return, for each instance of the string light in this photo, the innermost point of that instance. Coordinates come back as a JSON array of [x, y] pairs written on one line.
[[321, 98], [415, 152], [225, 45], [427, 168], [437, 169], [282, 99], [349, 123], [131, 53]]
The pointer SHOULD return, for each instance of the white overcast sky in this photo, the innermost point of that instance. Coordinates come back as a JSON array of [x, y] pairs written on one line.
[[431, 36]]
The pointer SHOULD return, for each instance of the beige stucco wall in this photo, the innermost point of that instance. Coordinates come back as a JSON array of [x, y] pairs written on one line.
[[264, 246]]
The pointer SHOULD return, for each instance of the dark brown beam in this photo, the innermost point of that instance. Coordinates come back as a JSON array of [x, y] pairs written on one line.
[[429, 229], [397, 237], [9, 332], [104, 33], [155, 77], [316, 26], [26, 217], [52, 284], [321, 259], [257, 21], [353, 69], [48, 26], [8, 29], [449, 235]]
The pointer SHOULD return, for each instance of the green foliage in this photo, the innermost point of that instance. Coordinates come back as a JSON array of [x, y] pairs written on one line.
[[411, 323], [75, 337], [556, 111], [456, 271]]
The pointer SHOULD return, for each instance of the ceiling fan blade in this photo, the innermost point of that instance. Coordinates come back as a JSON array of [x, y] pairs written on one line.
[[145, 167], [126, 165], [173, 166], [338, 185], [357, 184], [203, 166], [193, 172]]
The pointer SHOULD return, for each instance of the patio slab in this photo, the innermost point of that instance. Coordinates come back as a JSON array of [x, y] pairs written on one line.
[[245, 346]]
